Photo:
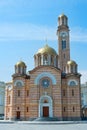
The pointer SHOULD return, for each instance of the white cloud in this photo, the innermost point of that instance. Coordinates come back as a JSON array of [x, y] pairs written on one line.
[[37, 32], [26, 32], [78, 34], [84, 76]]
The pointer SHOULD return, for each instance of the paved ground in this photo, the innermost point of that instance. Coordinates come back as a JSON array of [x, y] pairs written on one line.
[[43, 126]]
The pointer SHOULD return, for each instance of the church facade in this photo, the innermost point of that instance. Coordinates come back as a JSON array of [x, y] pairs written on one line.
[[51, 89]]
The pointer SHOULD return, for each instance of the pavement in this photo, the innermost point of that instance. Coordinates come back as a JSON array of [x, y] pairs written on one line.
[[42, 122], [38, 125]]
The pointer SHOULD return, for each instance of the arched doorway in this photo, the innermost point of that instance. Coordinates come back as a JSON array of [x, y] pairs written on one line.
[[45, 106]]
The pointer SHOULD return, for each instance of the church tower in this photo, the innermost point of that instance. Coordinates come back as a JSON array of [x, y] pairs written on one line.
[[63, 42]]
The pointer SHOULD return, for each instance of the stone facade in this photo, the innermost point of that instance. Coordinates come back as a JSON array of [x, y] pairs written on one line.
[[51, 89]]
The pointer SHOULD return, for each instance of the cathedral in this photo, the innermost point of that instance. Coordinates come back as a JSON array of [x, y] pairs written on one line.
[[51, 89]]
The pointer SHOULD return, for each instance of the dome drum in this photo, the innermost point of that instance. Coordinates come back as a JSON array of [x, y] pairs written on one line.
[[20, 68], [71, 67], [63, 20], [46, 56]]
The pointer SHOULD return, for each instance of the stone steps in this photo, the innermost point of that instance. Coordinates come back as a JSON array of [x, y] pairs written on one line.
[[46, 119]]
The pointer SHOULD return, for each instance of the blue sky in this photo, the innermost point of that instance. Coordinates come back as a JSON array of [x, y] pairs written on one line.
[[25, 24]]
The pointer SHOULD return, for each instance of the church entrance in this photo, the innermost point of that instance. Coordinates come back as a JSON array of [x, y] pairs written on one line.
[[45, 106], [18, 114], [45, 111]]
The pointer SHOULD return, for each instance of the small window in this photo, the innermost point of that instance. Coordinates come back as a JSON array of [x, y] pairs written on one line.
[[71, 68], [45, 60], [52, 60], [18, 93], [27, 109], [9, 100], [73, 109], [39, 60], [72, 92], [64, 109], [45, 101]]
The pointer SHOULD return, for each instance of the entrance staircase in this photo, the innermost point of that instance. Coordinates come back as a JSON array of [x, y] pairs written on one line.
[[46, 119]]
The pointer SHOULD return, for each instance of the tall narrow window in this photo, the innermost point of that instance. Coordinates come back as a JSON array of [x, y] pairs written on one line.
[[19, 69], [63, 44], [27, 109], [52, 60], [73, 109], [9, 100], [72, 92], [39, 60], [64, 109], [71, 68], [63, 21], [18, 93], [45, 60]]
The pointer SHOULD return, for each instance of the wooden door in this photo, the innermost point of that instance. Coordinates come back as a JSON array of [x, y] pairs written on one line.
[[18, 114], [45, 111]]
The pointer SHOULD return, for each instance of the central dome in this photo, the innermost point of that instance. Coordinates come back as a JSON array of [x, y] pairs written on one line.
[[47, 50]]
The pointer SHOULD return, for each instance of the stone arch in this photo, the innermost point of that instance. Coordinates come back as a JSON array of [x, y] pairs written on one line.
[[48, 103], [72, 82], [45, 74], [19, 81]]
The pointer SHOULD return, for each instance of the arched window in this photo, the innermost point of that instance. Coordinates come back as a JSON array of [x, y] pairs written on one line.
[[45, 101], [72, 83], [39, 60], [73, 109], [52, 60], [9, 99], [63, 44], [18, 93], [63, 21], [27, 109], [72, 92], [71, 68], [64, 109], [19, 69], [45, 60]]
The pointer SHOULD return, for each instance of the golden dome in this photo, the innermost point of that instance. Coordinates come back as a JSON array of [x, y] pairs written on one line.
[[20, 63], [48, 50], [62, 15], [71, 62]]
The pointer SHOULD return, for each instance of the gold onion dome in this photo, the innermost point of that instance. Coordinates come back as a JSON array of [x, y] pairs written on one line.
[[20, 63], [47, 50], [62, 15], [71, 62]]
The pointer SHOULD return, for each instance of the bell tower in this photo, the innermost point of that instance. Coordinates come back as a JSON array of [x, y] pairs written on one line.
[[63, 42]]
